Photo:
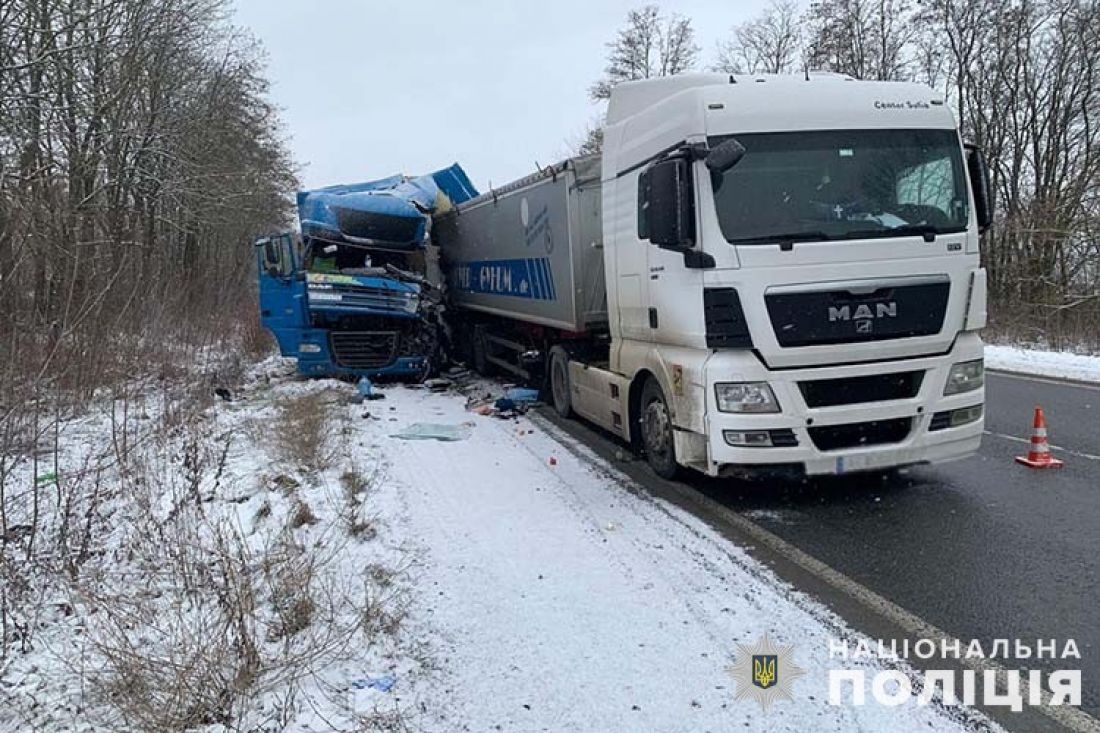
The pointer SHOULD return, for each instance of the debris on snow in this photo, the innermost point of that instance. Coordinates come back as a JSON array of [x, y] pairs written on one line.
[[434, 431]]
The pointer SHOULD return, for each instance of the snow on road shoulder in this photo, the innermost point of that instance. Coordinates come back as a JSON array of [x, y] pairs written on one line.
[[566, 602], [1056, 364], [506, 579]]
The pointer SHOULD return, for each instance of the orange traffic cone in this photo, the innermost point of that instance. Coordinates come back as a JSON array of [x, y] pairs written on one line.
[[1039, 456]]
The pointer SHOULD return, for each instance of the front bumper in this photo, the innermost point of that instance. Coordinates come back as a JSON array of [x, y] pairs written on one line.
[[860, 429]]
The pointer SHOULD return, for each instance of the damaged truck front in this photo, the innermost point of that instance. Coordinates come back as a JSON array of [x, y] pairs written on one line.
[[353, 293]]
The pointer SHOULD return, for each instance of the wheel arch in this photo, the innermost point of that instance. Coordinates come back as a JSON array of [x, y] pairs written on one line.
[[634, 402]]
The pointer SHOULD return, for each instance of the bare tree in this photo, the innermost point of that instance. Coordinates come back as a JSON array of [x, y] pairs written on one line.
[[771, 43], [868, 39], [649, 45]]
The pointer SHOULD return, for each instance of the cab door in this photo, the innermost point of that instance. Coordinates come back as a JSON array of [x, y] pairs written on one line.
[[282, 292]]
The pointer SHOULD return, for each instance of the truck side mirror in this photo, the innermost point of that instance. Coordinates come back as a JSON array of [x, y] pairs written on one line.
[[670, 205], [724, 156], [979, 184]]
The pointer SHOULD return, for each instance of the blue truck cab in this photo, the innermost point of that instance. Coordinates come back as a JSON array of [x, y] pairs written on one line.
[[356, 293], [338, 324]]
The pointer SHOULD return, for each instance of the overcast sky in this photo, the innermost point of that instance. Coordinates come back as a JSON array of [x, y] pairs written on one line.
[[370, 87]]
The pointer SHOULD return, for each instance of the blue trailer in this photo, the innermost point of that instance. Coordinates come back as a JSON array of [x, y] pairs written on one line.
[[353, 293]]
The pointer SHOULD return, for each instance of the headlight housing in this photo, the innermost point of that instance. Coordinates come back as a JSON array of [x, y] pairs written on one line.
[[965, 376], [756, 397]]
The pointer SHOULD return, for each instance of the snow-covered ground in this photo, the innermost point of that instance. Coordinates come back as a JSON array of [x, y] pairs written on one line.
[[1057, 364], [567, 602], [528, 586]]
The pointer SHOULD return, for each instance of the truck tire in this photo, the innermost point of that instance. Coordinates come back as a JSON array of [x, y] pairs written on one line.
[[656, 430], [479, 349], [560, 390]]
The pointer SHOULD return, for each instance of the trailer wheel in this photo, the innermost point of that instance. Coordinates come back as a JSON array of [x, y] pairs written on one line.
[[560, 389], [660, 450], [480, 348]]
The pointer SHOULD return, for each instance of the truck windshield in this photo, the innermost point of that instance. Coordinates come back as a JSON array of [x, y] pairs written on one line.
[[842, 184]]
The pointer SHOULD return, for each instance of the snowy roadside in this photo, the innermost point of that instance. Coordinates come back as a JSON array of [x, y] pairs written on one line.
[[1056, 364], [173, 562], [502, 581], [567, 602]]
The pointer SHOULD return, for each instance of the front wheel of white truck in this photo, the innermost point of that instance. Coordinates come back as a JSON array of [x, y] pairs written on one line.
[[656, 424], [559, 382]]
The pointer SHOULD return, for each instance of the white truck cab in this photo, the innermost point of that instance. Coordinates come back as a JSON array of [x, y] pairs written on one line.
[[792, 276]]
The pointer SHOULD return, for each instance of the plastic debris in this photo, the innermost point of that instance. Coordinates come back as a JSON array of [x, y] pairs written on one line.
[[438, 384], [46, 478], [434, 431], [553, 461], [384, 683], [522, 394]]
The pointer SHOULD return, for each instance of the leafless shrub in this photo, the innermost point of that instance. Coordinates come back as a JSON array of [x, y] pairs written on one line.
[[191, 661], [301, 515], [385, 603], [301, 432], [358, 525]]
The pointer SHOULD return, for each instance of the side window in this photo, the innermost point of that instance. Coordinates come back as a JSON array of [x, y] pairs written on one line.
[[275, 256], [927, 184], [286, 257], [643, 205]]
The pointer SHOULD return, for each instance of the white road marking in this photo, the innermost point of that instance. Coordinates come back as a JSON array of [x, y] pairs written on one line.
[[1072, 718], [1045, 380], [1058, 448]]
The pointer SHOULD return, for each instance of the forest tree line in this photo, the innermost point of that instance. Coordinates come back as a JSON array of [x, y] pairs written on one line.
[[138, 157], [1023, 79]]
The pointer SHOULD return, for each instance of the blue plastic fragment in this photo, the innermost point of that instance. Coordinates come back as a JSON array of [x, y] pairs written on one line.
[[522, 394], [364, 387], [383, 683]]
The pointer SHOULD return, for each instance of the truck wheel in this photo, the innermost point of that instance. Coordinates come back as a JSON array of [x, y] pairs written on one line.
[[480, 347], [560, 390], [660, 450]]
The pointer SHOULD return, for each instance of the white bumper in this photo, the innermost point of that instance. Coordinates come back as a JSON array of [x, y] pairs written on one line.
[[817, 429]]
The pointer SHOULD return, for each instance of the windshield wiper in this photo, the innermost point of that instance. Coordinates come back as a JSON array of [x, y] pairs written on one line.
[[785, 241], [927, 231]]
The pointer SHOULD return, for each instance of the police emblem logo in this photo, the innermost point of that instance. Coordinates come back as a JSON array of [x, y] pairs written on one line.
[[765, 671]]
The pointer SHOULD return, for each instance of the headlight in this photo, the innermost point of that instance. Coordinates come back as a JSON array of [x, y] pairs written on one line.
[[309, 349], [745, 397], [965, 376]]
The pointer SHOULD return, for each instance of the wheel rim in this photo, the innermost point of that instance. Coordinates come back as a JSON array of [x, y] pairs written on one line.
[[557, 381], [656, 429]]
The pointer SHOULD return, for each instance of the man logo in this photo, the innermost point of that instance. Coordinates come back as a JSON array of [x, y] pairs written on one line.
[[888, 309], [765, 671]]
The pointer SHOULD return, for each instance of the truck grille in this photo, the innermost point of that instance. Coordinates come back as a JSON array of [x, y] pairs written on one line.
[[389, 299], [363, 349], [856, 390], [841, 316], [861, 434]]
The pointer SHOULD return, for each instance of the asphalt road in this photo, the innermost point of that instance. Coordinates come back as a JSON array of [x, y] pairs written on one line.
[[981, 548]]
